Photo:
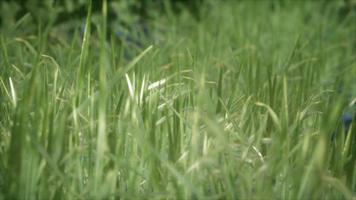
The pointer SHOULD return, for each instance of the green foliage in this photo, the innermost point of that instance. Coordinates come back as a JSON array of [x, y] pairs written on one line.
[[240, 104], [121, 11]]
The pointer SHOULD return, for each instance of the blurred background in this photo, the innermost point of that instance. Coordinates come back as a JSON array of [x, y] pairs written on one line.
[[68, 14], [123, 15]]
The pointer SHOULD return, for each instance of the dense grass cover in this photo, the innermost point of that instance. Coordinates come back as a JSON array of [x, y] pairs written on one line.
[[240, 105]]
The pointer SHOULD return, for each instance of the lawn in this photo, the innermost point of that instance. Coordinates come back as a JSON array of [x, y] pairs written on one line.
[[245, 102]]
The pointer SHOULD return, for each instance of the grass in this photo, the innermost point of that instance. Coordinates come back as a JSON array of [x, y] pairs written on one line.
[[241, 105]]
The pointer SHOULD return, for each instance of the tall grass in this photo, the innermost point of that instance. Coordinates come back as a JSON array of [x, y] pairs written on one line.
[[241, 105]]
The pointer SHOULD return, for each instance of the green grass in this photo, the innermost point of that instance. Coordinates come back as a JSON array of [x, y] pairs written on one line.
[[241, 105]]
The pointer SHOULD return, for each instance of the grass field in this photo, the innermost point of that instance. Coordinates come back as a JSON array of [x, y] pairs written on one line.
[[240, 105]]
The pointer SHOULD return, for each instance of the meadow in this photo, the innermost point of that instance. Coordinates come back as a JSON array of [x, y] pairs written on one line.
[[244, 103]]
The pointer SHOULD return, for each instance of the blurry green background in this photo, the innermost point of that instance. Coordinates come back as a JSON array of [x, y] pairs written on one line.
[[122, 13]]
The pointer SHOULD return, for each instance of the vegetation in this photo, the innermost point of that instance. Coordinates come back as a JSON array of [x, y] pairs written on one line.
[[244, 102]]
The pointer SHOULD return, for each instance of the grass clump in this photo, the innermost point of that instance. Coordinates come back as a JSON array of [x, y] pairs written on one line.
[[239, 105]]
